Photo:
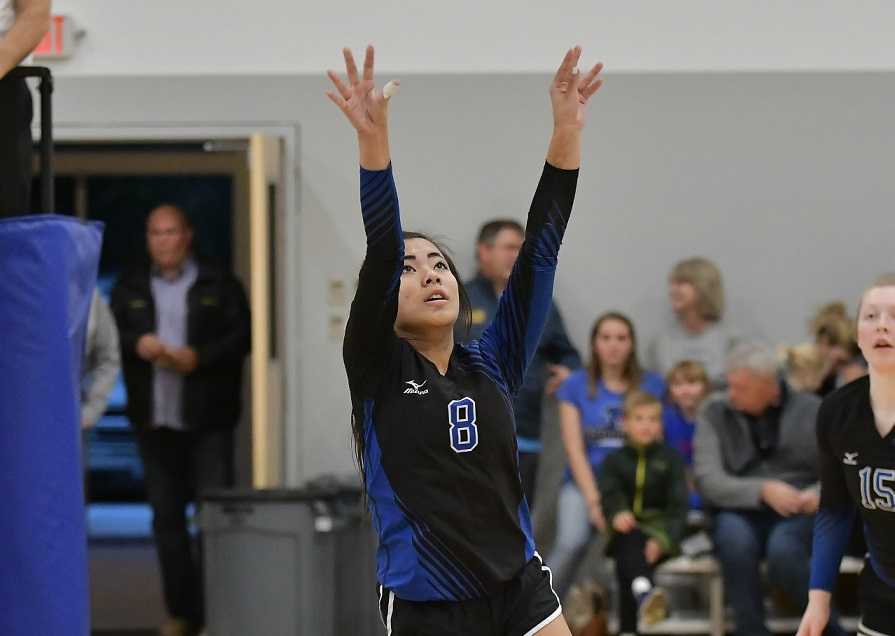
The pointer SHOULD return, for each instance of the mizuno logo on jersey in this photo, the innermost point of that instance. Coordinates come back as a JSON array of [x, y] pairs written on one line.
[[416, 388], [850, 459]]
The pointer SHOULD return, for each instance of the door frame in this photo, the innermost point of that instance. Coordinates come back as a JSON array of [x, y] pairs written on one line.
[[289, 280]]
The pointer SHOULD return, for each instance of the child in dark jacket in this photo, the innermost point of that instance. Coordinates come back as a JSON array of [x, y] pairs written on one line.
[[643, 489]]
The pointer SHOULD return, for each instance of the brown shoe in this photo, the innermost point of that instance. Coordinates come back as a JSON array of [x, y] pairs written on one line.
[[653, 607], [577, 608], [585, 609]]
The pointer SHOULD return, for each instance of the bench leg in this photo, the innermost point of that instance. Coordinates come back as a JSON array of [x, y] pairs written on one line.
[[716, 605]]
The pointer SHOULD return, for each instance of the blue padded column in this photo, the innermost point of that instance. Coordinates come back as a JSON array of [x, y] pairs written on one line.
[[48, 268]]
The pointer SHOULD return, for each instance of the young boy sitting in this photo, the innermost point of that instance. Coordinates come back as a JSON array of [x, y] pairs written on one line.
[[643, 489]]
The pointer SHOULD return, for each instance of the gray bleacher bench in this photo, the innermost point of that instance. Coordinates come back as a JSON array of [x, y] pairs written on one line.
[[716, 623]]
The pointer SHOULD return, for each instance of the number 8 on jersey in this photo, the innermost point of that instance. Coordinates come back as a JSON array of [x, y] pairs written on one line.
[[464, 432]]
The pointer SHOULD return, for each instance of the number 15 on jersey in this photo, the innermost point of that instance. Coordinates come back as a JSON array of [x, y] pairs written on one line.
[[877, 492]]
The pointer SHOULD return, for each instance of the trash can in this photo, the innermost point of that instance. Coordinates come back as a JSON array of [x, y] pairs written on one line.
[[288, 562]]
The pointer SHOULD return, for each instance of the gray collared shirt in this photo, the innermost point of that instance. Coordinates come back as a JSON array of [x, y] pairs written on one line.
[[170, 298]]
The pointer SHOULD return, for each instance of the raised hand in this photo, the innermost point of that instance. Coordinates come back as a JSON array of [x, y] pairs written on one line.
[[363, 104], [570, 91]]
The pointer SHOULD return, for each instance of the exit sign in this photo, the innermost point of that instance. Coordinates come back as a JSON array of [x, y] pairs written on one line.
[[59, 42]]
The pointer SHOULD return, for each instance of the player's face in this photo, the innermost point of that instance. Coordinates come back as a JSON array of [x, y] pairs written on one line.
[[876, 328], [612, 344], [428, 297], [751, 392], [496, 259], [682, 295], [686, 393], [643, 425]]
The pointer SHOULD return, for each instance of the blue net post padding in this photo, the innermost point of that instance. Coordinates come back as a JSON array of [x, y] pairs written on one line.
[[48, 267]]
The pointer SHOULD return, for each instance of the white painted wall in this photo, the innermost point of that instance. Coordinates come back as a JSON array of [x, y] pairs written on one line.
[[177, 37], [784, 179]]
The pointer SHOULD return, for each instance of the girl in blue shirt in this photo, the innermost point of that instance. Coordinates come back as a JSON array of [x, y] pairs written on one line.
[[590, 408], [688, 385]]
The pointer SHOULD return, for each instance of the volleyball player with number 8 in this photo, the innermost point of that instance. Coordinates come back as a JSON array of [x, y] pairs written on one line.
[[432, 420], [856, 438]]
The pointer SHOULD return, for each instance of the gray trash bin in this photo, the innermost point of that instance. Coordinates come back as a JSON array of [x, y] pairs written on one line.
[[288, 562]]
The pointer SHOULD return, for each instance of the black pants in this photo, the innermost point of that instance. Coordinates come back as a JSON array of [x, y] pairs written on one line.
[[179, 466], [630, 563], [877, 601], [528, 471], [15, 147]]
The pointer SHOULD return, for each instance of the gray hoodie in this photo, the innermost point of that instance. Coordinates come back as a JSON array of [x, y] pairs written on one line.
[[730, 470]]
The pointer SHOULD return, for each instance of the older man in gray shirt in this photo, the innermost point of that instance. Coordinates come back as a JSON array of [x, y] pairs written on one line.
[[756, 465]]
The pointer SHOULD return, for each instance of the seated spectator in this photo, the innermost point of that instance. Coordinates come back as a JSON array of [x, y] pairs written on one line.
[[590, 402], [804, 366], [688, 385], [834, 334], [756, 465], [697, 331], [644, 493]]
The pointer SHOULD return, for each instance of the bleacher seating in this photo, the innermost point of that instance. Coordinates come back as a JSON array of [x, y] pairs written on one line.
[[714, 620]]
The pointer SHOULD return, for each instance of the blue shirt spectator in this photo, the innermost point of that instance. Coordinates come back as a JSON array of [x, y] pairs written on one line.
[[590, 408], [688, 385], [601, 412], [679, 431]]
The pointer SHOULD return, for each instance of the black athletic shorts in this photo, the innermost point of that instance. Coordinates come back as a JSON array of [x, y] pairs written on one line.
[[877, 600], [525, 605]]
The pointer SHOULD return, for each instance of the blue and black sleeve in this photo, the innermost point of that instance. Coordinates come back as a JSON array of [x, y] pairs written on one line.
[[512, 337], [834, 519], [370, 327]]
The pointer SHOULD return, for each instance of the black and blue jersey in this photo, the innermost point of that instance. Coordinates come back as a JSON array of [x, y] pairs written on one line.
[[440, 455], [857, 474]]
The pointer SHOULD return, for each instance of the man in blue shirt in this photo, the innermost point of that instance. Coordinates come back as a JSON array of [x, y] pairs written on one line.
[[497, 248]]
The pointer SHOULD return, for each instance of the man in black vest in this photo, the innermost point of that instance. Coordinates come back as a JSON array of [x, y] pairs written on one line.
[[184, 331]]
